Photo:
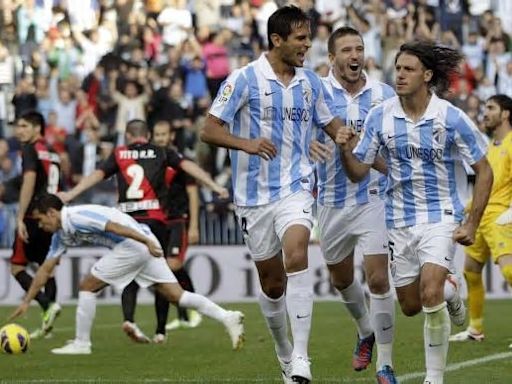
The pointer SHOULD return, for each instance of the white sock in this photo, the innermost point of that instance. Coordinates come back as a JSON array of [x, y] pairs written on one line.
[[299, 302], [353, 297], [436, 332], [274, 312], [85, 312], [382, 312], [202, 305]]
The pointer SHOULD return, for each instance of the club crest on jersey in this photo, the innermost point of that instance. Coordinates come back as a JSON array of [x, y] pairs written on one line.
[[226, 93], [308, 97]]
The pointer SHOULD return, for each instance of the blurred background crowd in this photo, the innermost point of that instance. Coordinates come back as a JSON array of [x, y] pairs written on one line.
[[89, 66]]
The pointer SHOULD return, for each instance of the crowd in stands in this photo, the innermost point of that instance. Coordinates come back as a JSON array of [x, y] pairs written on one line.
[[90, 66]]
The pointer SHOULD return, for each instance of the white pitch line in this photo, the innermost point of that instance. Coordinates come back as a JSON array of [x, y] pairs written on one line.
[[458, 366]]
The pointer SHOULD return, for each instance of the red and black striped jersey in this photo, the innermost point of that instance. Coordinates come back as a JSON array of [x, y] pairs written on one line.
[[143, 173], [40, 158]]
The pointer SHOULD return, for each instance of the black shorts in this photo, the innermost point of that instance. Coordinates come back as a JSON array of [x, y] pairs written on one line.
[[178, 238], [36, 249], [160, 230]]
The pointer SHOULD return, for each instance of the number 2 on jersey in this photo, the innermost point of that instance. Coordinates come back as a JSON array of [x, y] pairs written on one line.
[[136, 172]]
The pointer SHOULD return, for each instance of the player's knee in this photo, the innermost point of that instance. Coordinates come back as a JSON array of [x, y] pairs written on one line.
[[410, 309], [273, 289], [342, 282], [472, 278], [378, 282], [296, 260], [506, 271]]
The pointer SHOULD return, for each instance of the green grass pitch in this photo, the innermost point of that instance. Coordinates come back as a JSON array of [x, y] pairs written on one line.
[[203, 355]]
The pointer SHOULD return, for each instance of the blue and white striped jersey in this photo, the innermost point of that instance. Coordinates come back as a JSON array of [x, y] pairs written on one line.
[[85, 225], [334, 187], [254, 103], [424, 159]]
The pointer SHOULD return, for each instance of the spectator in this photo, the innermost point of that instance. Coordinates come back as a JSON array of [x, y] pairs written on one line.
[[24, 99], [215, 54]]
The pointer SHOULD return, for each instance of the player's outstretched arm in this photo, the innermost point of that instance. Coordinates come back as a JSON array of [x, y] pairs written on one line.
[[84, 184], [44, 272], [214, 132], [203, 177], [465, 234], [154, 247]]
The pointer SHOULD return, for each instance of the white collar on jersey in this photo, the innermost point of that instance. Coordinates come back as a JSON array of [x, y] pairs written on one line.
[[266, 69], [431, 112], [336, 84]]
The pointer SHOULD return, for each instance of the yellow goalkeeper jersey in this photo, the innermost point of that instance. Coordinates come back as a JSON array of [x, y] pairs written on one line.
[[499, 156]]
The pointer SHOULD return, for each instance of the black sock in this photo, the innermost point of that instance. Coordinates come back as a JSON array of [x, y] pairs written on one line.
[[50, 289], [184, 279], [129, 301], [186, 283], [162, 310], [25, 280]]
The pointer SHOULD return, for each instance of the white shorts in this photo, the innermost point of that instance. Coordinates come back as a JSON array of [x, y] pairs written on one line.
[[264, 226], [131, 260], [342, 230], [411, 247]]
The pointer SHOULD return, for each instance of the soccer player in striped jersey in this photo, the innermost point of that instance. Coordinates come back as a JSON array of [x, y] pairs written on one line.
[[269, 108], [493, 234], [142, 171], [41, 174], [352, 214], [135, 254], [423, 139]]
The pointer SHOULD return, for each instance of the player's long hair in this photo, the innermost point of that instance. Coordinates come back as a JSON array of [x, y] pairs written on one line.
[[283, 20], [441, 60], [505, 104]]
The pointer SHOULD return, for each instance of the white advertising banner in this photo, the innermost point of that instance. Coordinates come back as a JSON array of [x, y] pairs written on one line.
[[223, 273]]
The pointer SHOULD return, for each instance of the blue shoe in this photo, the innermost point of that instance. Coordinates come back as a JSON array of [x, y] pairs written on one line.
[[386, 376], [362, 356]]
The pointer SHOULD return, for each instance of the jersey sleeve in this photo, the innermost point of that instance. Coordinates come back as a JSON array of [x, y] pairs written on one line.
[[57, 247], [369, 142], [29, 158], [109, 166], [174, 159], [232, 95], [89, 221], [469, 140]]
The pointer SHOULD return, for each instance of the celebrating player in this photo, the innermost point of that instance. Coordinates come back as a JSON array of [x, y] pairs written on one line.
[[270, 107], [352, 214], [423, 139]]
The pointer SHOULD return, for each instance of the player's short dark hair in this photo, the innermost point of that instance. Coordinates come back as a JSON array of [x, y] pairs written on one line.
[[283, 20], [441, 60], [43, 203], [505, 103], [36, 119], [340, 32], [137, 128]]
